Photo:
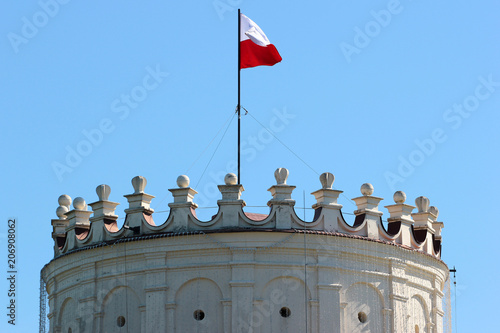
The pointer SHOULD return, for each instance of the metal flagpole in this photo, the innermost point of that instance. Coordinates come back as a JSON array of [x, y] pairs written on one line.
[[239, 106]]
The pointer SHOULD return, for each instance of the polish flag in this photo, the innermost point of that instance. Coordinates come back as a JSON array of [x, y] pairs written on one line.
[[255, 48]]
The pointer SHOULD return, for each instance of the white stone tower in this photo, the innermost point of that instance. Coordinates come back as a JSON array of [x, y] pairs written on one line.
[[244, 272]]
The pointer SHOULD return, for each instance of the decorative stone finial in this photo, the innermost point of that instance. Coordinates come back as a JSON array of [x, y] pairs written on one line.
[[433, 210], [64, 200], [139, 184], [367, 189], [281, 175], [61, 212], [79, 203], [103, 192], [231, 179], [399, 197], [422, 204], [327, 180], [183, 181]]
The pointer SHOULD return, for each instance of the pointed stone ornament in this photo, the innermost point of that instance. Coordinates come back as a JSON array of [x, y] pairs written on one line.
[[326, 197], [399, 197], [104, 218], [139, 206], [103, 191], [326, 180], [282, 199], [139, 183], [281, 191], [281, 175], [422, 204], [437, 226], [103, 207], [434, 211], [183, 181], [367, 189], [79, 203], [326, 202]]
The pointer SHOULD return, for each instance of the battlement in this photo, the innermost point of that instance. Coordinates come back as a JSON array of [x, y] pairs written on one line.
[[79, 228]]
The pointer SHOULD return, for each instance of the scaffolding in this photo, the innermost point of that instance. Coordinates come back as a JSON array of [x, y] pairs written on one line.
[[43, 306]]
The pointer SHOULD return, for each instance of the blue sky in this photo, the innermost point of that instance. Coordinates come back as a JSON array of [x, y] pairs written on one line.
[[401, 94]]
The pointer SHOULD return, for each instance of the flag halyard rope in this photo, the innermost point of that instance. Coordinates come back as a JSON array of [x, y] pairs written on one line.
[[215, 151]]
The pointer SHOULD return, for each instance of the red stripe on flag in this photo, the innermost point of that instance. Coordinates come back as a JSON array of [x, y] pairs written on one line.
[[253, 55]]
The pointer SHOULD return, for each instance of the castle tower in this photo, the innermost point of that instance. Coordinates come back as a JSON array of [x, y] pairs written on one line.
[[244, 272]]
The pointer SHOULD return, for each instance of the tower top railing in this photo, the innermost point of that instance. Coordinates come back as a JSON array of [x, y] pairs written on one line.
[[78, 227]]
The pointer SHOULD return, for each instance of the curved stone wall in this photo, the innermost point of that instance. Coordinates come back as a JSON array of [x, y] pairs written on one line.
[[246, 281]]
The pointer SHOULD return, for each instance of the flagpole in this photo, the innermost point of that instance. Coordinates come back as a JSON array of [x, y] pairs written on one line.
[[239, 105]]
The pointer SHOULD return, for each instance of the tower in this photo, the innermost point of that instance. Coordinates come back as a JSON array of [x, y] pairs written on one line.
[[245, 272]]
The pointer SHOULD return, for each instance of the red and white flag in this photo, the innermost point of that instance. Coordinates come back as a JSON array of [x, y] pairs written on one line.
[[255, 48]]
